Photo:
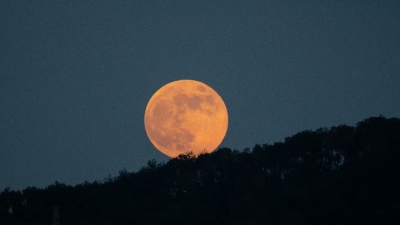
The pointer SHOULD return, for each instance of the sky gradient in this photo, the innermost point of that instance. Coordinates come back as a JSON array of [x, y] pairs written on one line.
[[76, 76]]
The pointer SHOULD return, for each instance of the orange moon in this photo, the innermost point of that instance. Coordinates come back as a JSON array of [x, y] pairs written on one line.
[[186, 115]]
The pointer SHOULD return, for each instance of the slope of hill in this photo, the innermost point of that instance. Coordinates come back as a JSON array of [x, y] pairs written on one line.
[[337, 175]]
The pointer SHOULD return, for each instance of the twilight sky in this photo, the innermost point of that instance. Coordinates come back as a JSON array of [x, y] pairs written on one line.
[[76, 76]]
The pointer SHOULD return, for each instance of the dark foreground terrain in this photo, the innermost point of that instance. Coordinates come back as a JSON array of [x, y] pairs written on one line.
[[338, 175]]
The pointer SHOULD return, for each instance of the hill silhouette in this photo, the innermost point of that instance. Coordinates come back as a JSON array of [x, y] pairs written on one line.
[[337, 175]]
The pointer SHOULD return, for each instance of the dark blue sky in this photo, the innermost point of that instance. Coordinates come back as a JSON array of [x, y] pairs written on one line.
[[75, 76]]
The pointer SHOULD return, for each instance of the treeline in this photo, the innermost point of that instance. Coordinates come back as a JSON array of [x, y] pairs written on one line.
[[338, 175]]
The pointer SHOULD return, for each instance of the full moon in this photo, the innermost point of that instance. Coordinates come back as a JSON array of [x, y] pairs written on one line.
[[186, 115]]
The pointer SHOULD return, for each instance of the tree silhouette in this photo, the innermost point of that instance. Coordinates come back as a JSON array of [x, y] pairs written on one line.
[[337, 175]]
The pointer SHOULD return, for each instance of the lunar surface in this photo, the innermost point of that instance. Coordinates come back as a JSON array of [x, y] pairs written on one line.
[[186, 115]]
